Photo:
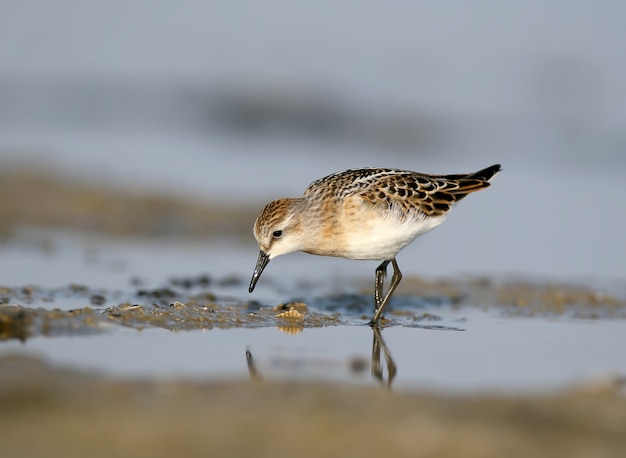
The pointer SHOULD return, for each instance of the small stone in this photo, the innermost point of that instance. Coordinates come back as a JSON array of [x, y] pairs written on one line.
[[291, 314], [299, 306]]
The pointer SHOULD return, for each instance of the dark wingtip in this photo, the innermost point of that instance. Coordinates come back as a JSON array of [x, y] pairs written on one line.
[[488, 173]]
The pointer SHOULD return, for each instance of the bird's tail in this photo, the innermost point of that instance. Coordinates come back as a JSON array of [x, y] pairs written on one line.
[[485, 174], [473, 182]]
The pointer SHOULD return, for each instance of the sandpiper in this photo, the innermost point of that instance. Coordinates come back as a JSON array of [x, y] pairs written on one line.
[[369, 213]]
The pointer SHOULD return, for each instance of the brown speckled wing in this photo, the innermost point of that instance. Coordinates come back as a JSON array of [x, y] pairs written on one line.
[[410, 192]]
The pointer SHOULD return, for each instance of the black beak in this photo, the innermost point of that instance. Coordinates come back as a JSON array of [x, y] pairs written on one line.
[[263, 260]]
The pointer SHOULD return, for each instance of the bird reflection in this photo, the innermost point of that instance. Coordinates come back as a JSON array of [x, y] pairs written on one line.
[[377, 369], [378, 346], [254, 374]]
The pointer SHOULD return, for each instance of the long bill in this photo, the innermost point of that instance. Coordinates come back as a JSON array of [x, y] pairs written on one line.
[[263, 260]]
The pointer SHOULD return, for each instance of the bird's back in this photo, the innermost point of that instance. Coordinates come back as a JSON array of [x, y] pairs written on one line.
[[403, 190]]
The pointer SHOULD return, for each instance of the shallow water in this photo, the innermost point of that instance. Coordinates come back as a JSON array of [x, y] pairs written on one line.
[[475, 346], [479, 351]]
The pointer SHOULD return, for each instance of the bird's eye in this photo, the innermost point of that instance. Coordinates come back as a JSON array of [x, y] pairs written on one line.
[[277, 234]]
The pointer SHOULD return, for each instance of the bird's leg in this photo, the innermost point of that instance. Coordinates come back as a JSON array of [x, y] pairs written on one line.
[[379, 283], [395, 280]]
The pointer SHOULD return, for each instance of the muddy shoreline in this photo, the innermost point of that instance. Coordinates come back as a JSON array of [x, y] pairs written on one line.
[[50, 410], [31, 197]]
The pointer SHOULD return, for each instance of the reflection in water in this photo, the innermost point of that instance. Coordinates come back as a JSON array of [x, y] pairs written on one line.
[[378, 344], [254, 374], [377, 370]]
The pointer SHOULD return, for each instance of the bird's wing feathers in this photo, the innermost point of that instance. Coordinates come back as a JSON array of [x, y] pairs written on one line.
[[404, 191]]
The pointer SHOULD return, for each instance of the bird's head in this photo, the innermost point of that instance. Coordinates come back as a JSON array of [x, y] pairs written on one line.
[[278, 230]]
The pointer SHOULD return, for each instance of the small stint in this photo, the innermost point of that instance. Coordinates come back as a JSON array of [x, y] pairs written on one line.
[[366, 214]]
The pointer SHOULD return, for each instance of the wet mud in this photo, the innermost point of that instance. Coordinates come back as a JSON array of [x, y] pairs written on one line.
[[519, 297], [188, 303]]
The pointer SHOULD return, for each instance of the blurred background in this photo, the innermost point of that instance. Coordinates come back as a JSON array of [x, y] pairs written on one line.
[[230, 104]]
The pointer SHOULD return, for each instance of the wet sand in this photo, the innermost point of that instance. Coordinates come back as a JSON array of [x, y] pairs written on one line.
[[53, 412], [31, 197]]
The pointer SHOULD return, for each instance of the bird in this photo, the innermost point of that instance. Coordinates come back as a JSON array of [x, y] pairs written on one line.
[[362, 214]]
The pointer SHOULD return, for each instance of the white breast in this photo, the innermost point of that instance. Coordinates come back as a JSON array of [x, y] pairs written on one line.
[[382, 238]]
